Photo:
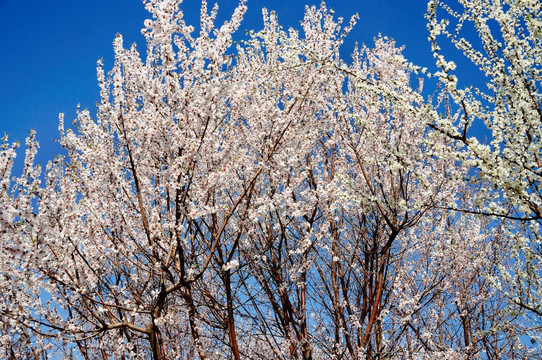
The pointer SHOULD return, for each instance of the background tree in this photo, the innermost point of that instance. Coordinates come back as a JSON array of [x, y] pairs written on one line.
[[507, 49]]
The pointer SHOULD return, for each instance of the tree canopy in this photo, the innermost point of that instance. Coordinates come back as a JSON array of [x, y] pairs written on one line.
[[267, 199]]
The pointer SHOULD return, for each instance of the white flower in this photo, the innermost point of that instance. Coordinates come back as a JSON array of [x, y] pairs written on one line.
[[232, 265]]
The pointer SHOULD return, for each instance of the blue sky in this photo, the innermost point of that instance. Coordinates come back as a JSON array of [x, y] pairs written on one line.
[[50, 49]]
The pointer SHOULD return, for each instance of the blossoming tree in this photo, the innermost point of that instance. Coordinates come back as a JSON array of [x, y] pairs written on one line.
[[508, 52], [270, 201]]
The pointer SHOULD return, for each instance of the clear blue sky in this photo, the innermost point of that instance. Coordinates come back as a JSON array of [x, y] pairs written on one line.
[[50, 48]]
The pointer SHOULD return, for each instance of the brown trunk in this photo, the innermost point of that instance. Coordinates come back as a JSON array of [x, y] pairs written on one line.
[[376, 303], [336, 273], [187, 296], [231, 320], [156, 344], [307, 351]]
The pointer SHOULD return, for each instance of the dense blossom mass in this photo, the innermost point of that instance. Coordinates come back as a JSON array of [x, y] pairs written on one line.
[[269, 200]]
